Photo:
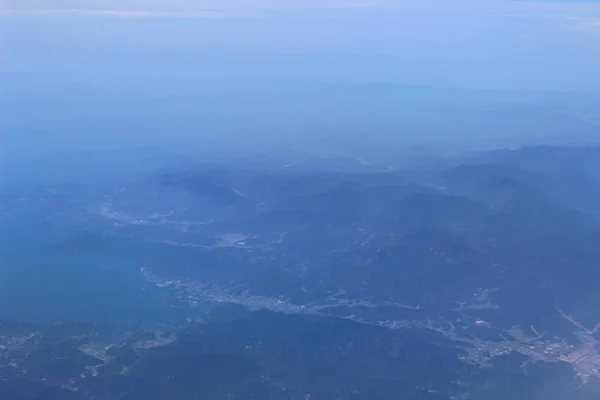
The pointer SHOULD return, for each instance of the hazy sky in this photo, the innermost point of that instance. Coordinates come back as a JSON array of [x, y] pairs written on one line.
[[214, 75], [460, 43]]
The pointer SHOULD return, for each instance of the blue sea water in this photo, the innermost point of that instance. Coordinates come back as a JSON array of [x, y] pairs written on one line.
[[43, 283]]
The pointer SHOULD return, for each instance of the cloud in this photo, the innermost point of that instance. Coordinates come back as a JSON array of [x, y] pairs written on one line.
[[206, 14], [507, 15], [578, 19], [175, 6], [587, 24]]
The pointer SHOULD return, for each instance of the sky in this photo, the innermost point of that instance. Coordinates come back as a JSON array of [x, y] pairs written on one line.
[[106, 73], [483, 44]]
